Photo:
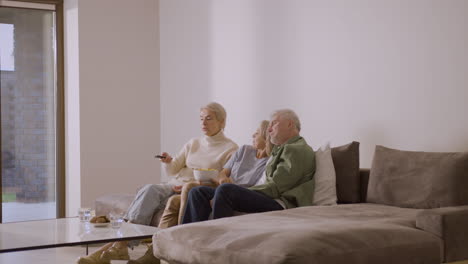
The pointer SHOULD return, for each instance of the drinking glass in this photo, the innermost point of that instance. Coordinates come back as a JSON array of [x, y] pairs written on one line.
[[116, 220], [84, 214]]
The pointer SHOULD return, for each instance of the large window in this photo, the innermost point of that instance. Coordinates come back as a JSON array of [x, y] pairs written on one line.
[[31, 110]]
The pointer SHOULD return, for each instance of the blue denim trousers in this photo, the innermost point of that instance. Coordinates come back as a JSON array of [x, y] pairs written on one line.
[[227, 198]]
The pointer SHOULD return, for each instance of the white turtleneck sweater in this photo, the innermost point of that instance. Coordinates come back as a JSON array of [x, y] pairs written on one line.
[[204, 152]]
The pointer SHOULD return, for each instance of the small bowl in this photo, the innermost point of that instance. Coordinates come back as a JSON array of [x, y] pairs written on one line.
[[205, 175]]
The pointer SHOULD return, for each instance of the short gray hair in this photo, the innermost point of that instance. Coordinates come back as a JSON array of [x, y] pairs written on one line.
[[289, 115], [219, 111]]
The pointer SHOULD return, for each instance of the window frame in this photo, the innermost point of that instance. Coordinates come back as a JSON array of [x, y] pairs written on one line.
[[60, 110]]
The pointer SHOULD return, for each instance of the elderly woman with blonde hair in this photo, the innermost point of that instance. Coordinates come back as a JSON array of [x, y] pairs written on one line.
[[209, 151], [244, 168]]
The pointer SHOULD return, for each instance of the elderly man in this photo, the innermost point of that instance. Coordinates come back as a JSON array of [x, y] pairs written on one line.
[[287, 182]]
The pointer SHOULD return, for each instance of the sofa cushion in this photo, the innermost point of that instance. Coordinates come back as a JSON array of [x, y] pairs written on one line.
[[346, 162], [325, 178], [418, 179], [351, 234]]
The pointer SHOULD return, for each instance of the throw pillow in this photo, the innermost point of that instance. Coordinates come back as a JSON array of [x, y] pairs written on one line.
[[418, 179], [346, 162], [325, 178]]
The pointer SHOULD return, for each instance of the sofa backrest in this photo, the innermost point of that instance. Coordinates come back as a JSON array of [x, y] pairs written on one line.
[[364, 182], [416, 179]]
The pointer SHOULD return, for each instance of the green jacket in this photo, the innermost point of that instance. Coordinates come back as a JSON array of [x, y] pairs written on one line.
[[289, 174]]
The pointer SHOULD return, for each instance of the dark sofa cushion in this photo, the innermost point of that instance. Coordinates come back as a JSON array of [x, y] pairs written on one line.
[[421, 180], [346, 162]]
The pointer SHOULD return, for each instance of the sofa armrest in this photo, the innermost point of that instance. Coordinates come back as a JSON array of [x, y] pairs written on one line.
[[451, 225]]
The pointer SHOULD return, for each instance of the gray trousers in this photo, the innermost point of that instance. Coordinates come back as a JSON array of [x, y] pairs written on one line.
[[149, 199]]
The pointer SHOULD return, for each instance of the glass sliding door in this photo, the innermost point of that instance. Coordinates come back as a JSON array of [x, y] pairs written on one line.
[[29, 111]]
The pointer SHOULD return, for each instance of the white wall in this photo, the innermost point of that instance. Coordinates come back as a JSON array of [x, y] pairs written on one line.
[[186, 73], [119, 112], [388, 72]]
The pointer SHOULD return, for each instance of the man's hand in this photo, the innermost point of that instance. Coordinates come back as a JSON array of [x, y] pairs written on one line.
[[177, 188]]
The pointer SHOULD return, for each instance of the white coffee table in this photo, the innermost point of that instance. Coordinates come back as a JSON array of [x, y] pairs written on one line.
[[63, 232]]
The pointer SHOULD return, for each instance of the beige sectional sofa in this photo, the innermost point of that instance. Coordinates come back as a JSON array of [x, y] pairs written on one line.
[[411, 207]]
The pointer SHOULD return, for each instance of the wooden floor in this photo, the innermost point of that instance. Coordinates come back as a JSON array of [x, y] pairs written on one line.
[[70, 254], [64, 255]]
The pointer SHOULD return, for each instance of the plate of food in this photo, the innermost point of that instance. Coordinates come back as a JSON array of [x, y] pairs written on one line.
[[100, 221]]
